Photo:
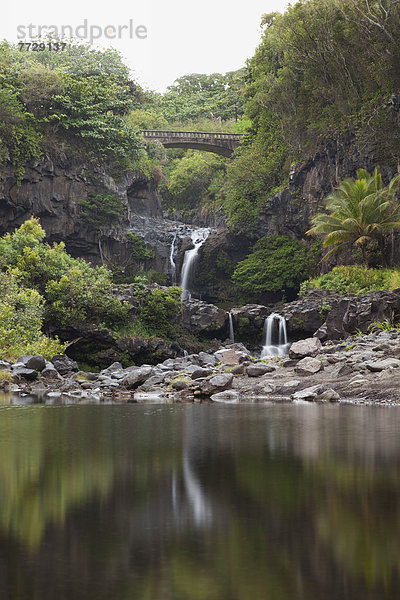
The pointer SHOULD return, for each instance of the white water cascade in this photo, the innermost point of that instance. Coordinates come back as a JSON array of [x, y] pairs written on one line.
[[231, 330], [275, 337], [198, 236], [172, 259]]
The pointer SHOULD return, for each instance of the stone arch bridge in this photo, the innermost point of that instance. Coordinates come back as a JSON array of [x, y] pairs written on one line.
[[220, 143]]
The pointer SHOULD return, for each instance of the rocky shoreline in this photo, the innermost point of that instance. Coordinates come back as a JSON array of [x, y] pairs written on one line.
[[361, 369]]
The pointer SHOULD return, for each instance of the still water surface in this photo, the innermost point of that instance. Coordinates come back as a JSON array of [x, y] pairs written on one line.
[[202, 502]]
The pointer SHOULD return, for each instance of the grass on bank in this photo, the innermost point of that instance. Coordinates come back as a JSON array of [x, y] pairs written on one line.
[[354, 279]]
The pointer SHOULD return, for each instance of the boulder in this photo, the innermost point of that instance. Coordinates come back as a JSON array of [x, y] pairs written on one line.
[[199, 372], [308, 366], [37, 362], [229, 356], [200, 317], [351, 313], [381, 365], [258, 370], [219, 383], [308, 394], [303, 348], [19, 371], [207, 360], [64, 364], [180, 384], [308, 313], [228, 397], [136, 376], [50, 373]]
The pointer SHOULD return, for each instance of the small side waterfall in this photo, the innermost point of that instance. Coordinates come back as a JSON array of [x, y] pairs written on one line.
[[231, 330], [198, 236], [172, 259], [275, 336]]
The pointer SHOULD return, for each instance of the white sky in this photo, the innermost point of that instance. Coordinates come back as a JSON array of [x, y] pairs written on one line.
[[184, 36]]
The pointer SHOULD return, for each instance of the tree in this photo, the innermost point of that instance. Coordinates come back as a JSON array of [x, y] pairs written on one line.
[[360, 211]]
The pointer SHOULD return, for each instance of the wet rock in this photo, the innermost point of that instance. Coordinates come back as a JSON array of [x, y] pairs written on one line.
[[259, 370], [136, 376], [229, 397], [329, 395], [308, 394], [308, 313], [200, 317], [308, 366], [303, 348]]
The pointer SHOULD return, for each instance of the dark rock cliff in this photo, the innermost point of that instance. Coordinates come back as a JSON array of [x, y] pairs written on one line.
[[52, 189]]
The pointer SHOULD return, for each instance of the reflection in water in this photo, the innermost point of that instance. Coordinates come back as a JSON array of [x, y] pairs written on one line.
[[199, 502]]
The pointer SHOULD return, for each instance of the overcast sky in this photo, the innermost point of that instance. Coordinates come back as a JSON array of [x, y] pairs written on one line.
[[183, 36]]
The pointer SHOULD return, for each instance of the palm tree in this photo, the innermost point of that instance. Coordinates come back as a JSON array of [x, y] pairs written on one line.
[[360, 211]]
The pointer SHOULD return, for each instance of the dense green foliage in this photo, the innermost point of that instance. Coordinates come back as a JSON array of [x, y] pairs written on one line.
[[74, 291], [77, 98], [354, 279], [276, 264], [360, 211], [21, 320], [102, 210], [323, 68], [196, 97]]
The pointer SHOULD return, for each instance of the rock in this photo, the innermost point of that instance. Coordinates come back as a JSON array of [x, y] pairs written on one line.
[[199, 372], [329, 395], [37, 362], [308, 394], [216, 384], [64, 364], [381, 365], [351, 313], [200, 317], [19, 371], [5, 365], [303, 348], [152, 381], [308, 313], [207, 360], [136, 376], [230, 356], [180, 384], [229, 396], [238, 370], [259, 369], [50, 373], [308, 366]]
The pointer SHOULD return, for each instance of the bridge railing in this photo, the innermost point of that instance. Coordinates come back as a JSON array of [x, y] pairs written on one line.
[[201, 135]]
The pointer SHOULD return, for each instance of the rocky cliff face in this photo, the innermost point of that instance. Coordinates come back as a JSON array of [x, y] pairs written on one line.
[[52, 189]]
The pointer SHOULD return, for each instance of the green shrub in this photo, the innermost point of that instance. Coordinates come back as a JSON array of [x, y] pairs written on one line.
[[21, 319], [354, 279], [102, 210], [73, 289], [276, 264], [159, 311]]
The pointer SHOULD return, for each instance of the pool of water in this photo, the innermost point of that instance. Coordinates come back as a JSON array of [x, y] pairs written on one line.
[[202, 502]]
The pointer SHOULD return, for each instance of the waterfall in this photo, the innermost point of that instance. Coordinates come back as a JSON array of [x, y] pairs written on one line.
[[172, 260], [231, 330], [275, 337], [198, 236]]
